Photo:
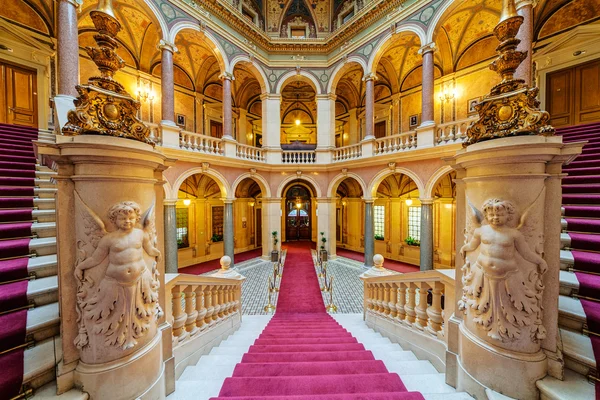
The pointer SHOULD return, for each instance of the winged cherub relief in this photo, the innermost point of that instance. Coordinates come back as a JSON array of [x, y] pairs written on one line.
[[122, 302], [501, 289]]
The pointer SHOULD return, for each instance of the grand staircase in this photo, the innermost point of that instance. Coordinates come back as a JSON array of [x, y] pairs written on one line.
[[29, 314]]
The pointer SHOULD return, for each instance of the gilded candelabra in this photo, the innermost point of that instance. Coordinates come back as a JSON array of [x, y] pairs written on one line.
[[103, 106], [511, 108]]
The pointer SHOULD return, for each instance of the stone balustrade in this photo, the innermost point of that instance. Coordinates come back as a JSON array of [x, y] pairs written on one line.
[[200, 143], [155, 133], [246, 152], [299, 157], [350, 152], [396, 143], [452, 132]]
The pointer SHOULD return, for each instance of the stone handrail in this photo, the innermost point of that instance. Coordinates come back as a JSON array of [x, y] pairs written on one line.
[[452, 132], [246, 152], [298, 157], [347, 152], [403, 299], [200, 143], [199, 303], [396, 143]]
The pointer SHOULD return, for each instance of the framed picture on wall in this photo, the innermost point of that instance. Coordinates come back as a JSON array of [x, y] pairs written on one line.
[[471, 105], [180, 120], [413, 121]]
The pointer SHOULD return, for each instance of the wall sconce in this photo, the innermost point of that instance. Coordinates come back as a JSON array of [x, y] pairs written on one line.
[[409, 200], [251, 203], [447, 95], [344, 203], [144, 93]]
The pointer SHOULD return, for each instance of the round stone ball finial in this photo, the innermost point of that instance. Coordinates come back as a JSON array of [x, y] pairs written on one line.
[[378, 260], [225, 262]]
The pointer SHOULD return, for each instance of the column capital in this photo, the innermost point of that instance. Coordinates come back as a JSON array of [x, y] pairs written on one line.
[[368, 201], [429, 47], [226, 76], [371, 76], [327, 96], [170, 202], [74, 3], [426, 201], [227, 201], [163, 45], [524, 3], [270, 96]]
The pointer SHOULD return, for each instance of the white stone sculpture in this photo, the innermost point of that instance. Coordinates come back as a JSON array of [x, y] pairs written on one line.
[[501, 290], [122, 302]]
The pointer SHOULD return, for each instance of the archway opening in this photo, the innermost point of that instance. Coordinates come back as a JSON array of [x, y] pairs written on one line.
[[248, 216], [298, 115], [349, 217], [350, 91], [299, 211], [247, 113], [444, 222]]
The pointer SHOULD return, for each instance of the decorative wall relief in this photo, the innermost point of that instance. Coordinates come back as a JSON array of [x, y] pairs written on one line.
[[117, 294], [502, 283]]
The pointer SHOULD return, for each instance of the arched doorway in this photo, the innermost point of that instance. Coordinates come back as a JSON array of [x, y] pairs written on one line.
[[298, 211]]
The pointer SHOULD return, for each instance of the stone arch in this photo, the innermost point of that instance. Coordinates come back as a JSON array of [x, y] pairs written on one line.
[[253, 66], [335, 182], [216, 175], [259, 179], [167, 189], [219, 54], [162, 23], [385, 41], [434, 179], [337, 73], [371, 193], [307, 77], [292, 178], [435, 20]]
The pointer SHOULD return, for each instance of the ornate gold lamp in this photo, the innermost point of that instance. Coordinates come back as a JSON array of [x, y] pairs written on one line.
[[511, 108], [104, 107]]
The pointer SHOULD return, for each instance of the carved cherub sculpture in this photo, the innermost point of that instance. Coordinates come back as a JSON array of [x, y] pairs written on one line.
[[503, 293], [123, 304]]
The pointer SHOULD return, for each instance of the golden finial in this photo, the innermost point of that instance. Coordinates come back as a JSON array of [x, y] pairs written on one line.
[[105, 6], [508, 10]]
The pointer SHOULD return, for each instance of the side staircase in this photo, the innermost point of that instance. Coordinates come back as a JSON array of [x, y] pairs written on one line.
[[29, 313], [579, 303]]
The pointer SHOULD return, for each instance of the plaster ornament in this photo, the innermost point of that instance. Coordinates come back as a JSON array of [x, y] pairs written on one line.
[[502, 291], [392, 166], [205, 166], [345, 171], [122, 302]]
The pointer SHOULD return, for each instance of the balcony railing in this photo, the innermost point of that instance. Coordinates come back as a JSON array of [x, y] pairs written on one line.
[[200, 143], [452, 132], [246, 152], [350, 152], [396, 143], [299, 157]]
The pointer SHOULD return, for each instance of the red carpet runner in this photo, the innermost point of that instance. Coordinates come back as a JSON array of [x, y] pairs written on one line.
[[17, 180], [581, 201], [304, 354]]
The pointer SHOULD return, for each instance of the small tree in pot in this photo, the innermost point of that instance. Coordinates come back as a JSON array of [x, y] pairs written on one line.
[[274, 252], [323, 252]]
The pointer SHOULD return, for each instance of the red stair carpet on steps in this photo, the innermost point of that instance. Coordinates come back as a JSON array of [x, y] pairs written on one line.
[[581, 202], [17, 180], [304, 354]]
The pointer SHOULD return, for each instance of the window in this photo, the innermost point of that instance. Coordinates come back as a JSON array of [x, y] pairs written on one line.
[[217, 224], [379, 219], [181, 217], [414, 222]]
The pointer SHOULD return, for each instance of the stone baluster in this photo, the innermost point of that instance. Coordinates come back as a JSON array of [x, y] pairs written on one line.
[[222, 302], [190, 310], [421, 309], [379, 299], [386, 300], [434, 312], [393, 299], [400, 306], [216, 305], [179, 317], [209, 306], [369, 290], [200, 307], [409, 306]]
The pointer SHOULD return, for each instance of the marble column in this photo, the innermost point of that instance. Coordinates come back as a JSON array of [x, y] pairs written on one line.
[[427, 103], [370, 107], [167, 100], [227, 77], [426, 249], [228, 230], [68, 47], [369, 233], [525, 9], [171, 266]]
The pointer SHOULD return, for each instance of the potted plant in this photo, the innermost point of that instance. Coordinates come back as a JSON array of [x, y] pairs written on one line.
[[378, 237], [274, 252], [216, 238], [411, 241], [323, 252]]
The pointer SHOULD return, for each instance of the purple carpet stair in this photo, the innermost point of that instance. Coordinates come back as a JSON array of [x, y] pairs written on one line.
[[581, 204], [17, 179]]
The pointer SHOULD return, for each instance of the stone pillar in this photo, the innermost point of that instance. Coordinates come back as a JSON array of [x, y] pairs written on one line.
[[326, 223], [369, 233], [228, 233], [68, 47], [325, 121], [515, 215], [370, 106], [272, 223], [525, 9], [426, 249], [271, 126], [242, 135], [353, 136], [167, 82], [427, 101], [227, 77], [171, 266]]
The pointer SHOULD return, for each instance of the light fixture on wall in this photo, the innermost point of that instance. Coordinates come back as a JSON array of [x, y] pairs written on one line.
[[447, 94], [187, 201], [409, 199], [144, 93], [251, 203], [298, 202]]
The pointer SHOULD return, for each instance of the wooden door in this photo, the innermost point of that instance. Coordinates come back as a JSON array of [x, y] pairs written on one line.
[[18, 98], [573, 95]]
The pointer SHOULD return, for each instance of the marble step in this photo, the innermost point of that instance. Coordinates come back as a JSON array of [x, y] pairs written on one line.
[[45, 192], [43, 322], [48, 215], [574, 386], [43, 291], [43, 246], [45, 203], [45, 182], [45, 173], [565, 241], [43, 229], [40, 361], [48, 392], [569, 285], [578, 352], [570, 313], [42, 266], [566, 260]]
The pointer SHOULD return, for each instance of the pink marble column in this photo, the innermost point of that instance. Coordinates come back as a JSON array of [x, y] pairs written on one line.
[[427, 103], [67, 48], [370, 105], [167, 83], [525, 9], [226, 77]]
